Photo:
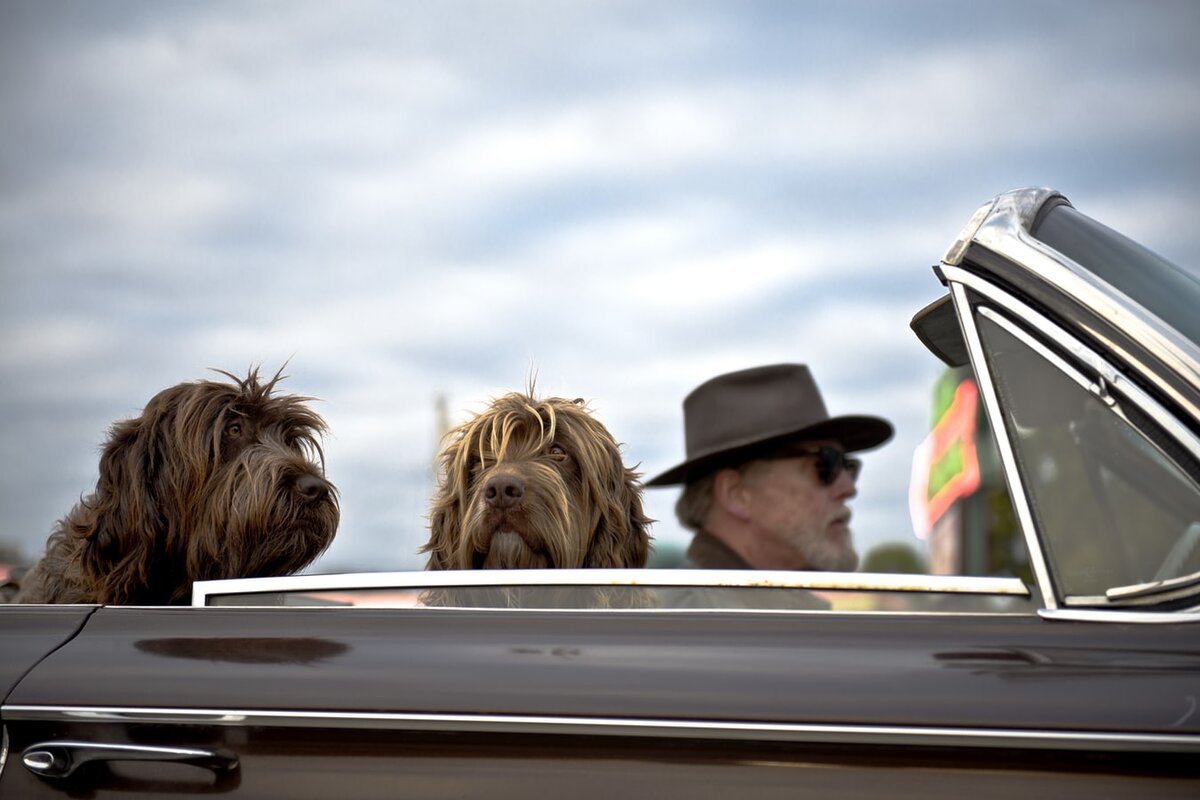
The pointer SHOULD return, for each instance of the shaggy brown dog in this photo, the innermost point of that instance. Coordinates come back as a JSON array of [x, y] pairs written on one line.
[[535, 483], [213, 480]]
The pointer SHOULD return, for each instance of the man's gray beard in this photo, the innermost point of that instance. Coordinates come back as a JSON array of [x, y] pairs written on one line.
[[830, 555]]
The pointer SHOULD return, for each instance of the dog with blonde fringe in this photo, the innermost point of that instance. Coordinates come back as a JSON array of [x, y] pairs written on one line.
[[532, 483]]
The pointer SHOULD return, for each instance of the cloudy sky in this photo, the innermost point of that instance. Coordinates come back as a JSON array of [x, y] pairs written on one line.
[[408, 201]]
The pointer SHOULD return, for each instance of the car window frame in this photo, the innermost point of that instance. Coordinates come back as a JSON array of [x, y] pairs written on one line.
[[205, 594]]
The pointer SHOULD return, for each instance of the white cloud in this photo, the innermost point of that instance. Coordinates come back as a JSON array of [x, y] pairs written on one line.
[[52, 340], [409, 199]]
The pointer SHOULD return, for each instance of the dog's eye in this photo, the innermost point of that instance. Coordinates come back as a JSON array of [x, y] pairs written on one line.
[[233, 430], [556, 451]]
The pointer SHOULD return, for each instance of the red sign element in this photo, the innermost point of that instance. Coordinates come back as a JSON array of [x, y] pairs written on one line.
[[945, 465]]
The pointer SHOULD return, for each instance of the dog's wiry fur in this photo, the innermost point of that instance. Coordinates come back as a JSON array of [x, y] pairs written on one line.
[[535, 483], [213, 480]]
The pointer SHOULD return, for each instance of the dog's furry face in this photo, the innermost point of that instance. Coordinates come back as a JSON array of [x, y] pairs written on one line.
[[213, 480], [535, 483]]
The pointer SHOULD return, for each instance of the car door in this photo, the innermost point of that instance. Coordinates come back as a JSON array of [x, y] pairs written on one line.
[[325, 702]]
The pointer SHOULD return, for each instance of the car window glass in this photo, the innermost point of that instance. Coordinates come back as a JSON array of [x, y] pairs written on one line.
[[639, 597], [1112, 509]]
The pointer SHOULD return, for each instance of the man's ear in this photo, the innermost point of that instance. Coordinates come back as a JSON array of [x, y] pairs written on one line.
[[729, 492]]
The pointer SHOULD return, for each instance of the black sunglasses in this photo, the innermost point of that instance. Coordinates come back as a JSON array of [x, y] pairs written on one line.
[[830, 462]]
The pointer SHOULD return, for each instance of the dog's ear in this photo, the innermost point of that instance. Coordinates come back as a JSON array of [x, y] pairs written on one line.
[[444, 520], [118, 526], [446, 514], [621, 537]]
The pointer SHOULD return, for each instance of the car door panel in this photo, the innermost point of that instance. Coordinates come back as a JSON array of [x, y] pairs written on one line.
[[418, 702], [32, 632]]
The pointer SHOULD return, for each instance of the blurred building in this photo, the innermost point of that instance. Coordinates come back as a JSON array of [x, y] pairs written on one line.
[[957, 497]]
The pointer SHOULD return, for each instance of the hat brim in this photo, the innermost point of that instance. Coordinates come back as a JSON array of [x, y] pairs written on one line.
[[855, 433]]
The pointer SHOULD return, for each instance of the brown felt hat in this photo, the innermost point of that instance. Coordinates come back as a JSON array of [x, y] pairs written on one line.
[[737, 416]]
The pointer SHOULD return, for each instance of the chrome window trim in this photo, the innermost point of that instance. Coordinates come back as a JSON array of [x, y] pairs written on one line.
[[618, 726], [1004, 231], [1019, 207], [1190, 616], [781, 579], [958, 249], [1008, 459]]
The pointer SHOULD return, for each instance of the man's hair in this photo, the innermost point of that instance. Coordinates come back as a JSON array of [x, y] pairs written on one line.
[[692, 507], [694, 503]]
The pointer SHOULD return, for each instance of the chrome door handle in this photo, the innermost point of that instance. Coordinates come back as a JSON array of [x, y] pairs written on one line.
[[59, 758]]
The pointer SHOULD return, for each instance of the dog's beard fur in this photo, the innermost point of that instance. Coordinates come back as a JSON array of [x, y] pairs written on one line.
[[213, 480], [579, 505]]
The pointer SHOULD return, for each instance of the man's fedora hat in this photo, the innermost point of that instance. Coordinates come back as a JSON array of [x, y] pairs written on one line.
[[733, 417]]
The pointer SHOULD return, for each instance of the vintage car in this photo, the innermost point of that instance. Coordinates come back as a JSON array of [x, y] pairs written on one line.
[[1083, 681]]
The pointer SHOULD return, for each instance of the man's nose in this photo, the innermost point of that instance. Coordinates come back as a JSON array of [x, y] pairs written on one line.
[[845, 485]]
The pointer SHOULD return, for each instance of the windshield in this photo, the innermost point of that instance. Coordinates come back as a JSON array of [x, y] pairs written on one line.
[[1112, 509]]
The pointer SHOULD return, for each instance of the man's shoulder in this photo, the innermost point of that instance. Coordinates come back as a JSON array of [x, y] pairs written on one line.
[[708, 552]]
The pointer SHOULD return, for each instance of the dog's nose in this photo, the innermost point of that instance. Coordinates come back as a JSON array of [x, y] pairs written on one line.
[[312, 487], [504, 491]]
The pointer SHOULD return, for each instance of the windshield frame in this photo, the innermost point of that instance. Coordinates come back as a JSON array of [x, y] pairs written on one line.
[[1085, 366], [998, 244]]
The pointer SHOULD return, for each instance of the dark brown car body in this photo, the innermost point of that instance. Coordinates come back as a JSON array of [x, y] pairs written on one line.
[[367, 703], [290, 694]]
